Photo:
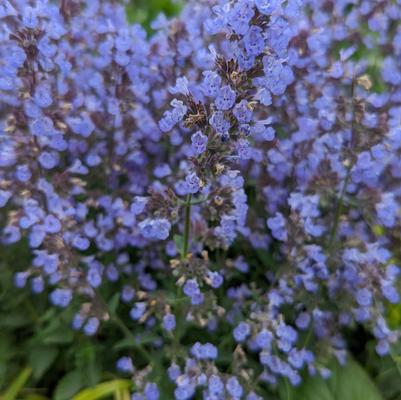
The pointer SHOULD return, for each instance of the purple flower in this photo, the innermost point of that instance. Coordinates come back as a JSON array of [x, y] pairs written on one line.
[[234, 388], [193, 183], [174, 372], [169, 322], [91, 326], [151, 391], [387, 210], [267, 6], [303, 320], [216, 385], [241, 332], [127, 294], [138, 310], [191, 288], [172, 117], [4, 197], [364, 297], [52, 224], [20, 279], [240, 16], [277, 226], [199, 142], [204, 351], [94, 277], [48, 160], [254, 41], [211, 83], [23, 173], [43, 97], [80, 242], [78, 321], [155, 229], [263, 339], [61, 297], [382, 348], [219, 123], [243, 112], [225, 98], [124, 364], [243, 149], [216, 280]]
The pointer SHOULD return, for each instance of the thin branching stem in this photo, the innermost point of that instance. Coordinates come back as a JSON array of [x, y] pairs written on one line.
[[187, 227]]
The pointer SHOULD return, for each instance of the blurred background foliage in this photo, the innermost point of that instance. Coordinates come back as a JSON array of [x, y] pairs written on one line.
[[42, 358], [145, 11]]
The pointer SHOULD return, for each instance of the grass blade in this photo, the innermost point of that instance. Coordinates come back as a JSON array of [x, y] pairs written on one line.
[[104, 389], [17, 384]]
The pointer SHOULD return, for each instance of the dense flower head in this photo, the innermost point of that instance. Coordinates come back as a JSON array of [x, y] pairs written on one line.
[[237, 171]]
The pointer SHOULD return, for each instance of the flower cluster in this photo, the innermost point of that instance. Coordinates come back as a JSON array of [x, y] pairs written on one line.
[[234, 175]]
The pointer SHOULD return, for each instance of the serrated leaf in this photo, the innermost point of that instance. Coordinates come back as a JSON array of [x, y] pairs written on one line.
[[68, 386], [41, 358]]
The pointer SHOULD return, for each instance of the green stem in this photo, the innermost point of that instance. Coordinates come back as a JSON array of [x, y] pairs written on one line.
[[187, 227], [339, 209], [340, 205], [114, 318], [177, 300], [195, 202], [128, 334], [287, 389], [124, 328]]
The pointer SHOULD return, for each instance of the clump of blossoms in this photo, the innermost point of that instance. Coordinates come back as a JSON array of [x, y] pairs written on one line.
[[168, 168]]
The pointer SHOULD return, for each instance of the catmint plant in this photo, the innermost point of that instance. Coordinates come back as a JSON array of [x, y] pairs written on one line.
[[165, 167]]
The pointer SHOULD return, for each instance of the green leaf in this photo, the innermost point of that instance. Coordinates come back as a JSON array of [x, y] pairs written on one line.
[[35, 397], [68, 385], [14, 320], [122, 395], [131, 343], [6, 348], [17, 384], [41, 358], [104, 389], [346, 383], [114, 303], [86, 362], [179, 243], [60, 335], [353, 383]]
